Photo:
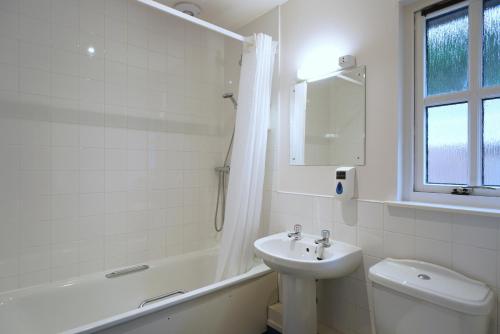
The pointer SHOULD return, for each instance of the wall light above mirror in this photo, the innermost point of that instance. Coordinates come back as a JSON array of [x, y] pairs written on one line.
[[327, 119]]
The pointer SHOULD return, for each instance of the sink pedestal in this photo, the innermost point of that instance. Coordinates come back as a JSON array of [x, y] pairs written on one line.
[[299, 305], [299, 267]]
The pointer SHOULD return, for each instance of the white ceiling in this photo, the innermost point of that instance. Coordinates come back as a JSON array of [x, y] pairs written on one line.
[[231, 14]]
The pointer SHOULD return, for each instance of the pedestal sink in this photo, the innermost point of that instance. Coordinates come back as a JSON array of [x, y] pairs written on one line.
[[299, 267]]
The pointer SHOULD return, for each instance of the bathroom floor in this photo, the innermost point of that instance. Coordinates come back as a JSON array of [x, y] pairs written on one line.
[[271, 331]]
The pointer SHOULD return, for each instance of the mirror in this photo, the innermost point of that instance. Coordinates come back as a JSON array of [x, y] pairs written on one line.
[[327, 120]]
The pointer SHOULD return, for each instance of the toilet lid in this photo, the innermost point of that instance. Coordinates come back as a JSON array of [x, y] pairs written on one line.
[[435, 284]]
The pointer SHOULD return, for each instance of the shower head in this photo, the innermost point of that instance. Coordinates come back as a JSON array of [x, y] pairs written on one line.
[[229, 95]]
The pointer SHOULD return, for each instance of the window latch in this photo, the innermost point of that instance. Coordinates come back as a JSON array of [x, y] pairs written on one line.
[[467, 190]]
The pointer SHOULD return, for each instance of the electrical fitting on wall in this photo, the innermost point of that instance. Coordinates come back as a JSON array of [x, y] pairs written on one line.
[[319, 65], [347, 61], [344, 182]]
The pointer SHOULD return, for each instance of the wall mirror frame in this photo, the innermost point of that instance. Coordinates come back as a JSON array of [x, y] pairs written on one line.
[[328, 119]]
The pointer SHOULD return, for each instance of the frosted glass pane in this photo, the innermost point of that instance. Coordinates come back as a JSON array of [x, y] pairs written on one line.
[[446, 143], [491, 43], [447, 52], [491, 142]]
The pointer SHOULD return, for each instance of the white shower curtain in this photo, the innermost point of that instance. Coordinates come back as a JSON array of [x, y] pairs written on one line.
[[246, 181]]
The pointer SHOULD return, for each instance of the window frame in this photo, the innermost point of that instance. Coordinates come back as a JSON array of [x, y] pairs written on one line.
[[473, 95]]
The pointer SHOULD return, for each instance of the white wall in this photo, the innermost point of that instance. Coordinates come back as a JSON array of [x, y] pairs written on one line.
[[469, 244], [105, 160], [368, 30]]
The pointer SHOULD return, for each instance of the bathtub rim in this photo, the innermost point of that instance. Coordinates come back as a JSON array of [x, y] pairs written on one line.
[[258, 270], [96, 276]]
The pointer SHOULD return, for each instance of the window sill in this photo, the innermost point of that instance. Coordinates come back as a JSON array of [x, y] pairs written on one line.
[[446, 208]]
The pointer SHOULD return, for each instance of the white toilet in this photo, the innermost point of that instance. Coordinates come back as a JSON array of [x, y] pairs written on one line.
[[414, 297]]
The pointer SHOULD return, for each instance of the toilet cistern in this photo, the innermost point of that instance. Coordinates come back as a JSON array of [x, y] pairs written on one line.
[[414, 297]]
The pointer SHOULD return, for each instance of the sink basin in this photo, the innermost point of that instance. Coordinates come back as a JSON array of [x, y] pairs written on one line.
[[298, 257], [299, 265]]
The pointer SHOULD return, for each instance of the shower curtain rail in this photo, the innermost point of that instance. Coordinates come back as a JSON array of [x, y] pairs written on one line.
[[192, 19]]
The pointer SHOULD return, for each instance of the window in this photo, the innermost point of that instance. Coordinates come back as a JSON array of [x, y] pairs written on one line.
[[457, 98]]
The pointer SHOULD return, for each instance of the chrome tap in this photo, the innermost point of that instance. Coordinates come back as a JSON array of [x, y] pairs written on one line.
[[322, 243], [325, 239], [297, 234]]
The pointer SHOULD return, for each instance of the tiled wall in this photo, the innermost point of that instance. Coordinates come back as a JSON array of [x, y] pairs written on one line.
[[466, 243], [110, 126]]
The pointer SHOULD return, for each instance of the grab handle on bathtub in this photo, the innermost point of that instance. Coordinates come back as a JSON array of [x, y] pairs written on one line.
[[160, 297], [127, 271]]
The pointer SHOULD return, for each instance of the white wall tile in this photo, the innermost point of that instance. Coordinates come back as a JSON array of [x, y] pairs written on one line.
[[137, 160], [92, 136], [370, 214], [64, 230], [345, 212], [434, 251], [37, 9], [64, 206], [66, 38], [137, 36], [65, 62], [399, 245], [478, 263], [82, 164], [64, 135], [33, 81], [92, 181], [115, 72], [475, 230], [34, 56], [116, 159], [64, 254], [9, 24], [371, 241], [65, 12], [299, 205], [433, 224], [116, 51], [400, 220], [137, 57], [35, 234], [34, 278], [345, 233], [8, 78], [91, 39], [92, 204], [63, 273], [34, 259], [9, 283], [9, 6], [92, 159], [34, 30]]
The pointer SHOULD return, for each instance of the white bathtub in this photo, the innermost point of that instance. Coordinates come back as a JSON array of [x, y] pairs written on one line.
[[110, 305]]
